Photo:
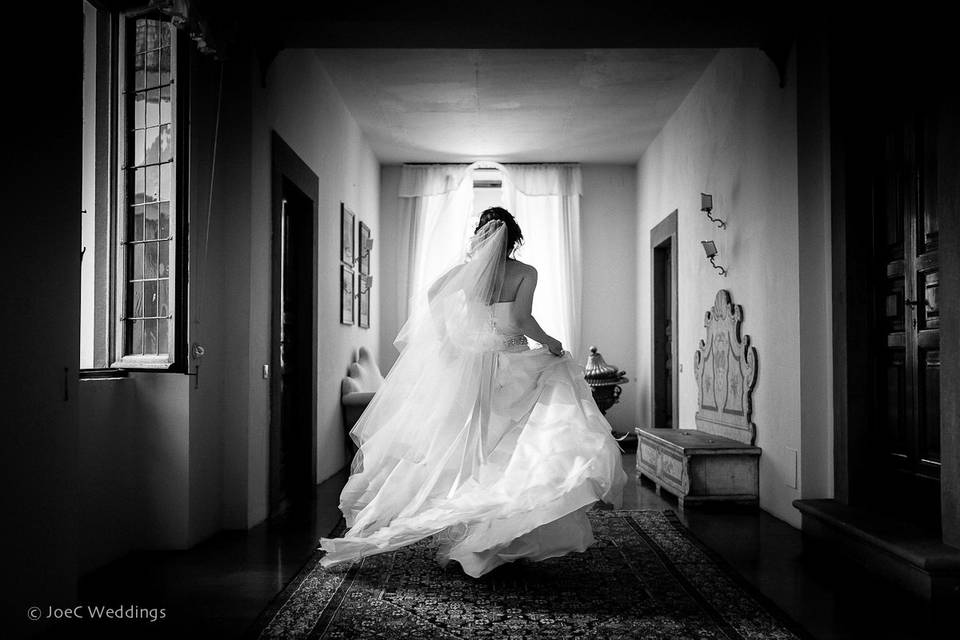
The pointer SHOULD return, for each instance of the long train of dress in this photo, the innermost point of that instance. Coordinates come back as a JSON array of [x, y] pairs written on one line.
[[504, 466]]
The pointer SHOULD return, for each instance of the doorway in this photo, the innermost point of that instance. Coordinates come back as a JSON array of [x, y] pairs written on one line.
[[896, 256], [906, 452], [663, 301], [294, 328]]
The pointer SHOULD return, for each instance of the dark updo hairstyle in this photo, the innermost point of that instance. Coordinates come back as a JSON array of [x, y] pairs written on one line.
[[514, 235]]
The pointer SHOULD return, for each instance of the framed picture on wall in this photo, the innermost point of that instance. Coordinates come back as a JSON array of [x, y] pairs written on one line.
[[364, 309], [363, 248], [346, 294], [346, 234]]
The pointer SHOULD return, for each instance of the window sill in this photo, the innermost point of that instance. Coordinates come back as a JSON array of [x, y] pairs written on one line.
[[146, 364], [103, 374]]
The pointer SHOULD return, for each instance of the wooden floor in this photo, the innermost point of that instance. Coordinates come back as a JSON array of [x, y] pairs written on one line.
[[218, 588]]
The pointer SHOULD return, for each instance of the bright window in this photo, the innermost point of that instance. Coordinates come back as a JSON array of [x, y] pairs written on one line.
[[131, 216]]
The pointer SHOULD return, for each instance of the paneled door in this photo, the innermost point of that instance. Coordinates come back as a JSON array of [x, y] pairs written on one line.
[[907, 444], [663, 343]]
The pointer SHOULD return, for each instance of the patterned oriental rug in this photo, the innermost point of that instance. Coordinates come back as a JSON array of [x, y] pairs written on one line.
[[646, 577]]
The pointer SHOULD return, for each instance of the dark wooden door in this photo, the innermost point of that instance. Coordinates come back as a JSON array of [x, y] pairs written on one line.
[[663, 243], [663, 336], [291, 423], [907, 444]]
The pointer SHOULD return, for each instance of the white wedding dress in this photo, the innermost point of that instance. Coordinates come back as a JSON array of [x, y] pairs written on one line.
[[495, 448]]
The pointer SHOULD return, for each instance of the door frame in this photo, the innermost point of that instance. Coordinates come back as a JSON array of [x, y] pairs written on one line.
[[286, 164], [664, 233], [853, 303]]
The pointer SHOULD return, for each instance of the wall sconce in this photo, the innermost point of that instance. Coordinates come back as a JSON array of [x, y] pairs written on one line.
[[706, 205], [365, 283], [710, 248], [364, 250]]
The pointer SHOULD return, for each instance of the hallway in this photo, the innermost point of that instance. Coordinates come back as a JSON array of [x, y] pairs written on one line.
[[703, 152], [221, 586]]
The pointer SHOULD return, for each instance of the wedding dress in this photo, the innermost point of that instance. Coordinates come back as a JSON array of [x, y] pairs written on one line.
[[495, 448]]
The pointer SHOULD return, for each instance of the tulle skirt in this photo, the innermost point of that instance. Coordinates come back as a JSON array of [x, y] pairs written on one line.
[[499, 455]]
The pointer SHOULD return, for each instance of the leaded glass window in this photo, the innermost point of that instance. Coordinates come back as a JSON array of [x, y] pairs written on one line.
[[149, 168]]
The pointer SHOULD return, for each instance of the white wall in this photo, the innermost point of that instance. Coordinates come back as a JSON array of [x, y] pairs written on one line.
[[607, 230], [734, 137], [108, 446], [390, 318], [308, 113]]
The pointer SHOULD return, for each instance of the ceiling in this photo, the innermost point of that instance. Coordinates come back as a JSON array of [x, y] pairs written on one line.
[[512, 105]]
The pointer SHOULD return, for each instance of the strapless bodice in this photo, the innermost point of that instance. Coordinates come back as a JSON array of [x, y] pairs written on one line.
[[502, 323], [502, 318]]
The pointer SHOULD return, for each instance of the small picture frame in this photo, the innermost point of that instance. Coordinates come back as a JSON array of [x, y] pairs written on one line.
[[346, 294], [346, 234], [364, 311], [362, 246]]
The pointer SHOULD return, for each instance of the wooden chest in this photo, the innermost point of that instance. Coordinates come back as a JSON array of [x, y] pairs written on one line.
[[698, 467], [717, 461]]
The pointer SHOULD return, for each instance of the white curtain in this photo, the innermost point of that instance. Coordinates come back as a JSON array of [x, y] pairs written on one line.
[[435, 204], [437, 217], [545, 199]]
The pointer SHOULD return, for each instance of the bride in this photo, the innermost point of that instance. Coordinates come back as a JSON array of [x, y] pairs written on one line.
[[495, 448]]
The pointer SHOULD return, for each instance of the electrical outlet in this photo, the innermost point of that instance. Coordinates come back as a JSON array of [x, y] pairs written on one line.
[[793, 467], [266, 372]]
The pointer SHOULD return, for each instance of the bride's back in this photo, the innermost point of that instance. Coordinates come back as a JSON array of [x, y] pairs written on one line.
[[512, 277]]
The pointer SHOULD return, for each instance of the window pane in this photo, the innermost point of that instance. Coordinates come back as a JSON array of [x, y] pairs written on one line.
[[150, 298], [162, 339], [165, 182], [150, 261], [152, 137], [149, 136], [135, 337], [150, 337], [163, 262], [141, 36], [153, 107], [165, 105], [163, 303], [139, 188], [152, 35], [151, 222], [165, 65], [139, 72], [166, 144], [153, 69], [137, 308], [137, 232], [137, 261], [140, 110], [153, 184], [138, 147], [164, 220]]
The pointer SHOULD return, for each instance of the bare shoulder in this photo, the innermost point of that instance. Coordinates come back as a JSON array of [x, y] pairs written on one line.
[[522, 268]]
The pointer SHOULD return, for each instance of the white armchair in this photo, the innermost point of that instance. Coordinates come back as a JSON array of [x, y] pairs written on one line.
[[356, 390]]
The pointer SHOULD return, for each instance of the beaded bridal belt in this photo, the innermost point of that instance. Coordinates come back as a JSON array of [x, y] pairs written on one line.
[[515, 343]]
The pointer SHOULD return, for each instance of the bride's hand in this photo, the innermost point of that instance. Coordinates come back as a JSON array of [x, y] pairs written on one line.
[[555, 347]]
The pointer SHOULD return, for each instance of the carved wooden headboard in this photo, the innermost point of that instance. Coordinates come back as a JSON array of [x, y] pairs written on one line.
[[725, 367]]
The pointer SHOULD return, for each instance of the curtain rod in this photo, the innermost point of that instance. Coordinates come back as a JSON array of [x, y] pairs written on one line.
[[440, 164]]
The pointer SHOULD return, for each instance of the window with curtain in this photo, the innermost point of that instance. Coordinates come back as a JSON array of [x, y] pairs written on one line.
[[439, 211]]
